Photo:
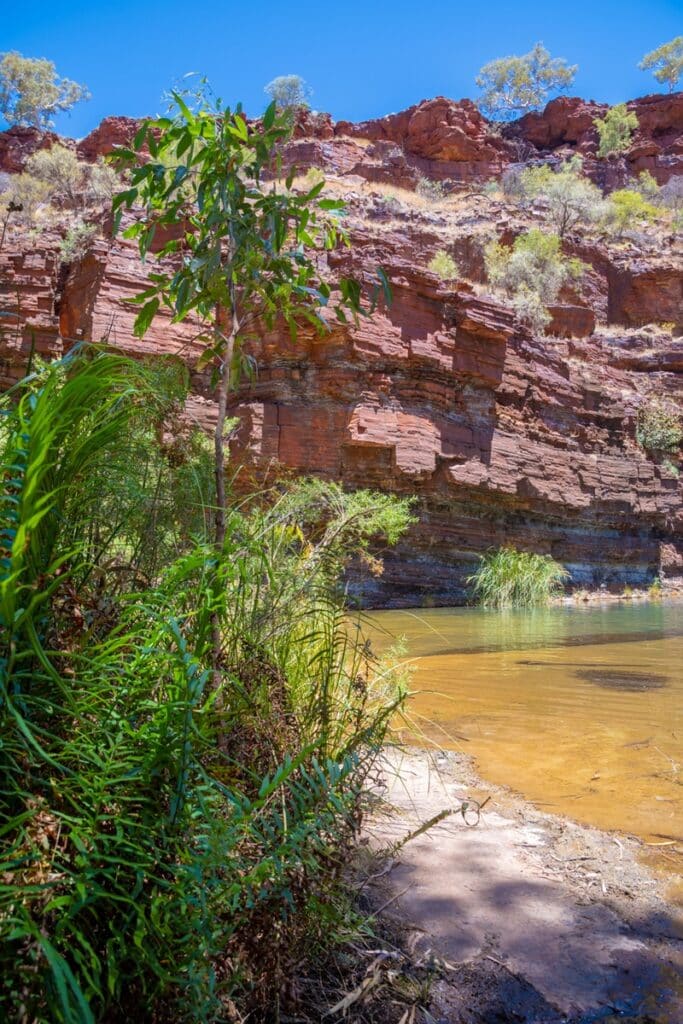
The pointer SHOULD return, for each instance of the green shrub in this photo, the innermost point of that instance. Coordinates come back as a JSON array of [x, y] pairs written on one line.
[[429, 189], [444, 266], [531, 271], [163, 832], [313, 177], [25, 195], [508, 578], [647, 186], [616, 129], [77, 241], [528, 306], [72, 182], [62, 172], [568, 198], [659, 428], [101, 183], [626, 209]]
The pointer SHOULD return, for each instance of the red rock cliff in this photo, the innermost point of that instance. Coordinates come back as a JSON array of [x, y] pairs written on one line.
[[503, 437]]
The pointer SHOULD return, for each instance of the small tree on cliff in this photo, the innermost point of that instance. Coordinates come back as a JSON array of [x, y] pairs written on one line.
[[512, 86], [288, 92], [31, 91], [665, 63], [246, 253], [616, 129]]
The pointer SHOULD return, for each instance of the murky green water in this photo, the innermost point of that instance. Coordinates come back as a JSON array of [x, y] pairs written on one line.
[[580, 710]]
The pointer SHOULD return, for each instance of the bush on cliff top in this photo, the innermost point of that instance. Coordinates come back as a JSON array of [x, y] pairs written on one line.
[[665, 63], [508, 578], [616, 129]]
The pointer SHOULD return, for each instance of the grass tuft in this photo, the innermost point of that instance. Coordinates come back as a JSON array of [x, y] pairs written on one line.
[[508, 578]]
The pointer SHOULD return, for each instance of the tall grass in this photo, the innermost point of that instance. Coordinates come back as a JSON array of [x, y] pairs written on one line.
[[162, 842], [508, 578]]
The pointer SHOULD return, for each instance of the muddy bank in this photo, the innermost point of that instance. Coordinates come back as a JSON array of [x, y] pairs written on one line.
[[539, 920]]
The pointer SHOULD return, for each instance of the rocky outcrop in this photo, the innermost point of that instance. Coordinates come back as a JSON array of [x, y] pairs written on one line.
[[503, 437], [568, 123], [110, 133], [19, 143], [438, 129]]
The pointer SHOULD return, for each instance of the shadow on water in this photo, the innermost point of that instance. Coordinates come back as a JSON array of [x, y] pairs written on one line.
[[632, 682]]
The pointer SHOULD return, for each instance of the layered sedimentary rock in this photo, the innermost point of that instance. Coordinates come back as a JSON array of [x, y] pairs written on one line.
[[504, 438], [501, 436]]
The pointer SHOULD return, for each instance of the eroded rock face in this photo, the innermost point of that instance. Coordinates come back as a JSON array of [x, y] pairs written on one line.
[[504, 439], [110, 133], [569, 122], [438, 129], [501, 436], [18, 144]]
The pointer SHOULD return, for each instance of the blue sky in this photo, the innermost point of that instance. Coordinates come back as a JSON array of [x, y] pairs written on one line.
[[363, 60]]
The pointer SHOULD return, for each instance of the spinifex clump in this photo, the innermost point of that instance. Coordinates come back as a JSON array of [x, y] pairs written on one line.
[[508, 578]]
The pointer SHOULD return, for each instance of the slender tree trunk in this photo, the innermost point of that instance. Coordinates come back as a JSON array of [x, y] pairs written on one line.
[[219, 472], [219, 442]]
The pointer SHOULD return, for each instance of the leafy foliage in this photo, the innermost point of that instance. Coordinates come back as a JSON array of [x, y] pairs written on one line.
[[508, 578], [431, 189], [659, 428], [515, 85], [243, 251], [616, 129], [532, 271], [626, 208], [61, 170], [288, 92], [56, 180], [161, 842], [313, 177], [31, 91], [568, 198], [23, 197], [666, 63], [444, 266], [77, 241]]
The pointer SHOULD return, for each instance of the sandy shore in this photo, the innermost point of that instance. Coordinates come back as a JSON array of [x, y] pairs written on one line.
[[539, 920]]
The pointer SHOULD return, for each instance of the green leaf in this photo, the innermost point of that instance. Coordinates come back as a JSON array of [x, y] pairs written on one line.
[[269, 116], [128, 196], [145, 317], [241, 126], [386, 286], [315, 192], [184, 109], [140, 135]]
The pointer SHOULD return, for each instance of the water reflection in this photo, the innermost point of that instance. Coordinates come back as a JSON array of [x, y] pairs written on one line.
[[597, 734]]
